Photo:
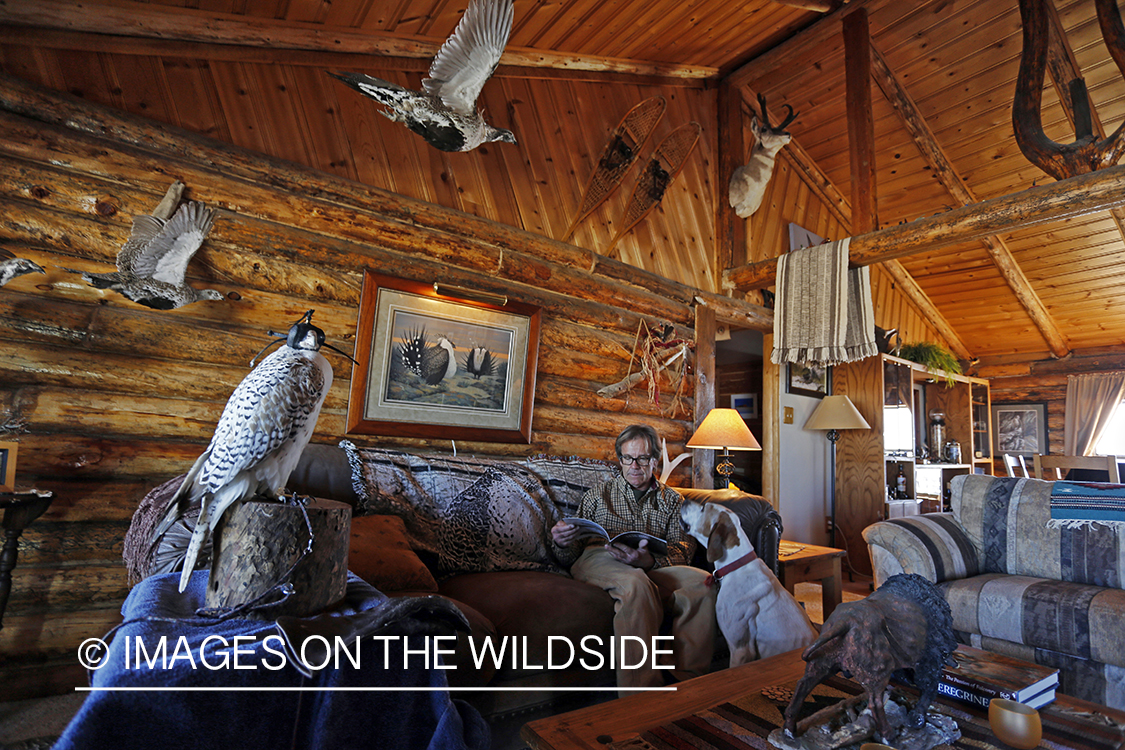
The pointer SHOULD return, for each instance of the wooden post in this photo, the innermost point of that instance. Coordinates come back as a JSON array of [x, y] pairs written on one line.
[[256, 547], [861, 125], [703, 462]]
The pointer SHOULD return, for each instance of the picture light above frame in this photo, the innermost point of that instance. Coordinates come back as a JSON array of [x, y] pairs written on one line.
[[439, 361]]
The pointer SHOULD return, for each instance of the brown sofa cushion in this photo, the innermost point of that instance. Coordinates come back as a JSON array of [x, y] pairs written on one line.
[[380, 554]]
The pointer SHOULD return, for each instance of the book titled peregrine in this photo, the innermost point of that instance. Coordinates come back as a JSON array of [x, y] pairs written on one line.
[[981, 676], [588, 528]]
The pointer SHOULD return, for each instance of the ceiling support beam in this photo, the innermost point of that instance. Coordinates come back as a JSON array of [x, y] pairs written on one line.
[[861, 123], [1075, 196], [927, 144], [730, 236], [177, 24]]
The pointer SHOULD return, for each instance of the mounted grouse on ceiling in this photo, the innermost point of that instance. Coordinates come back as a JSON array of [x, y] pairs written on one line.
[[445, 111]]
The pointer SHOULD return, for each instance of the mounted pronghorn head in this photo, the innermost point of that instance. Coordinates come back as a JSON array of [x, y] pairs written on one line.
[[748, 183], [769, 139]]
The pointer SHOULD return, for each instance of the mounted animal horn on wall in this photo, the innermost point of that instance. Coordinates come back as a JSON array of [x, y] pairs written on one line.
[[748, 183], [1086, 154]]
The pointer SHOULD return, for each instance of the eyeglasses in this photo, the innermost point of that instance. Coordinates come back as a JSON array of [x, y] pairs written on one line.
[[630, 460]]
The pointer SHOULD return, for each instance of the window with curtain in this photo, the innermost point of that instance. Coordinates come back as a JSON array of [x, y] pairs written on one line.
[[1112, 441]]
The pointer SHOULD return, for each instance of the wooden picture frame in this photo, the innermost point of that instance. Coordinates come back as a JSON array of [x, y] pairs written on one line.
[[8, 452], [389, 398], [746, 404], [1020, 428], [807, 380]]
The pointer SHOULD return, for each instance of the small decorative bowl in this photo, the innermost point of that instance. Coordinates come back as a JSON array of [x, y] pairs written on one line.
[[1015, 723], [875, 746]]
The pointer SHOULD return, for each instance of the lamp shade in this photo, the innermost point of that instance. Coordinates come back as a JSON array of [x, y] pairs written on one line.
[[836, 413], [724, 428]]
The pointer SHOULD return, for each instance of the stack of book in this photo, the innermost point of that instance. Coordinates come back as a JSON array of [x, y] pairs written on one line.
[[981, 676]]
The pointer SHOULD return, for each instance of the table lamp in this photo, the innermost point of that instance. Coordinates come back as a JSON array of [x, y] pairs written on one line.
[[724, 429], [835, 413]]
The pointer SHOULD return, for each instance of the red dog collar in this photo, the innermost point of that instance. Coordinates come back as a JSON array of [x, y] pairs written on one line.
[[718, 575]]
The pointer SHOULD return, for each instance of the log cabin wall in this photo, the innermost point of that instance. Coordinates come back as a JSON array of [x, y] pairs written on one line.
[[1044, 382], [115, 398]]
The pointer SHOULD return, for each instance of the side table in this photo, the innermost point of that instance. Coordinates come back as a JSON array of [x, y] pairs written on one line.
[[805, 563], [20, 509]]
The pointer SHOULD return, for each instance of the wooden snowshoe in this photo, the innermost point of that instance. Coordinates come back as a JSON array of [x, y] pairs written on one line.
[[662, 167], [621, 150]]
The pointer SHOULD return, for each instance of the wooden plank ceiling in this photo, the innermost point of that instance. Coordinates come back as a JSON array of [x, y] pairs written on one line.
[[251, 72]]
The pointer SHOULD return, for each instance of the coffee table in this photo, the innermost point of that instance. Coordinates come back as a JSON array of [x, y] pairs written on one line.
[[593, 727], [810, 563]]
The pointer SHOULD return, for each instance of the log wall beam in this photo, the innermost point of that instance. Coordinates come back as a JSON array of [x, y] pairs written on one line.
[[1042, 204], [942, 167], [38, 37], [150, 21]]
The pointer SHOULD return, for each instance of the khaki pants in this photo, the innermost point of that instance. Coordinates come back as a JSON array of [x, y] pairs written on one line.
[[639, 600]]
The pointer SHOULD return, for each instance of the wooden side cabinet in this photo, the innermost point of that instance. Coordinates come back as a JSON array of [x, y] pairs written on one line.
[[897, 398]]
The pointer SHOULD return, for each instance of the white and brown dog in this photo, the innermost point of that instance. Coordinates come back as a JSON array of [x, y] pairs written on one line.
[[756, 615]]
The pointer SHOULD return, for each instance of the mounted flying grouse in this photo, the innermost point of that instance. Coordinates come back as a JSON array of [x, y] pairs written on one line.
[[152, 262], [11, 267], [432, 363], [445, 111], [265, 426]]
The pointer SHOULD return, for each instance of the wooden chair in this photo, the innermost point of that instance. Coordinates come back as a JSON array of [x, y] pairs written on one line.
[[1057, 466], [1015, 465]]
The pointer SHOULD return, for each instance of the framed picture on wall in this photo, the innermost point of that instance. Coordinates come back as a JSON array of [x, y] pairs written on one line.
[[1020, 428], [807, 380], [442, 364], [746, 404], [8, 466]]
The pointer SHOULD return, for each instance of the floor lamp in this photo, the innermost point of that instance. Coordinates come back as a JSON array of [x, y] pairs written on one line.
[[835, 413], [724, 429]]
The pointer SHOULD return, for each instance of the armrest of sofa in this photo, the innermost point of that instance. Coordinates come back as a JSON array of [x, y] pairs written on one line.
[[933, 545], [760, 521], [324, 471]]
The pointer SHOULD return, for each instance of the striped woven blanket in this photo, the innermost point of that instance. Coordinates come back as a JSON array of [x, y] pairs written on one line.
[[1075, 504]]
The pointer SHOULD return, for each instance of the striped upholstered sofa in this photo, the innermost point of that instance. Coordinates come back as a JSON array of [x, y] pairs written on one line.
[[1017, 584]]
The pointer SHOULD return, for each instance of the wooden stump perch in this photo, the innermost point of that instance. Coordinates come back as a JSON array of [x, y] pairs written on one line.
[[263, 538]]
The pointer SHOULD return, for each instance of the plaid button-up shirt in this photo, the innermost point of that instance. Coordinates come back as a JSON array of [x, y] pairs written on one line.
[[615, 506]]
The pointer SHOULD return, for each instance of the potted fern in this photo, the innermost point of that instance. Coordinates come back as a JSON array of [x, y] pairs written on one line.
[[937, 360]]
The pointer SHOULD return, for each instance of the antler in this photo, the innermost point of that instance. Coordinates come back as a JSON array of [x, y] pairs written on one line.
[[766, 118], [1085, 154]]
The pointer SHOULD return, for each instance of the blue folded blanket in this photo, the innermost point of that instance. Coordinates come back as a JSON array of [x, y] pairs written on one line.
[[205, 689], [1076, 503]]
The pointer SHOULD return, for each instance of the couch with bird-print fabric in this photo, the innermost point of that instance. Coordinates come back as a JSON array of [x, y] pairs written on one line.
[[1019, 580], [476, 530]]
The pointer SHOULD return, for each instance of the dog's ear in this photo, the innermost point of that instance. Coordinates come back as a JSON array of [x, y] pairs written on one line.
[[722, 537]]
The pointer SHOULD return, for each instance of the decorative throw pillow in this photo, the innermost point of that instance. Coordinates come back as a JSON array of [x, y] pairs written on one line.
[[381, 555]]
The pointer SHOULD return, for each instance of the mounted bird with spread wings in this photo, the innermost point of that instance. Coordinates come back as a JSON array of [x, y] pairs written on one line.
[[445, 111], [152, 263], [266, 424]]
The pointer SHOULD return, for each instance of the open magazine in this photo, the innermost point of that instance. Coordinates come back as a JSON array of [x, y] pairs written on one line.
[[586, 527]]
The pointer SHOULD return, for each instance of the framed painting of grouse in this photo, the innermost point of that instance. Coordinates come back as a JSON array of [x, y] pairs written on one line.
[[436, 361]]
